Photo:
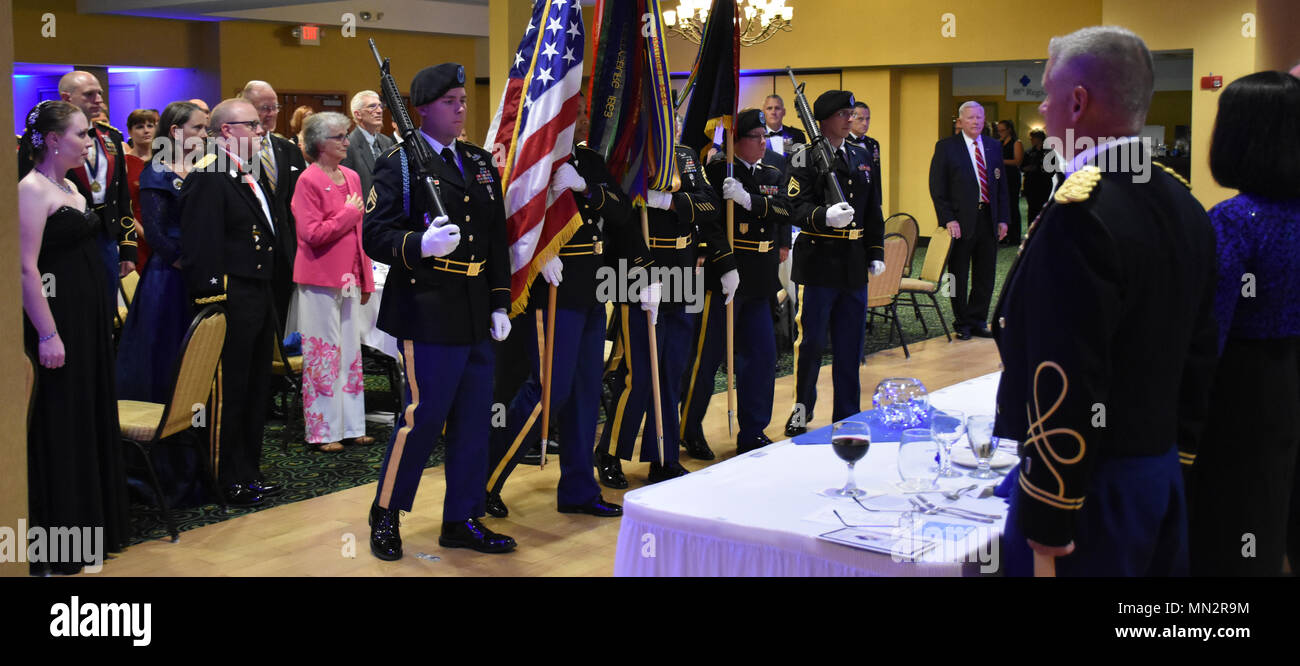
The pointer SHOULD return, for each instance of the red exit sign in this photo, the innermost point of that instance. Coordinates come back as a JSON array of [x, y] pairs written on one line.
[[307, 35]]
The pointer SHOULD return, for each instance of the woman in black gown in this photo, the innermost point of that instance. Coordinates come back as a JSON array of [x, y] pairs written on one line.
[[1013, 153], [75, 475]]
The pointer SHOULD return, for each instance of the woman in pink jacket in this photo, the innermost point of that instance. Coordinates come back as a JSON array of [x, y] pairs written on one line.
[[334, 280]]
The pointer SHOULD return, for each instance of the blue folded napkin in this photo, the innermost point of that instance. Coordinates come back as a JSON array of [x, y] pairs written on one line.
[[879, 431]]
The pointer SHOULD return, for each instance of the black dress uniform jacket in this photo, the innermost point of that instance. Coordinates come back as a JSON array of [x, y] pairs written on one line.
[[223, 231], [116, 213], [439, 300], [606, 235], [873, 149], [1107, 336], [760, 231], [824, 256], [289, 165]]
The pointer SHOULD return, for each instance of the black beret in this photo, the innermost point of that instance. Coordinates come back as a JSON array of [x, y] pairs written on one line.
[[433, 82], [749, 120], [831, 101]]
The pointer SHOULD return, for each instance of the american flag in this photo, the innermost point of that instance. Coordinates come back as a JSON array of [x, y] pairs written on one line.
[[532, 135]]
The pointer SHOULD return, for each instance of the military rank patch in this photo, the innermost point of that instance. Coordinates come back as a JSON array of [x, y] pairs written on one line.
[[792, 190], [1078, 187], [371, 199]]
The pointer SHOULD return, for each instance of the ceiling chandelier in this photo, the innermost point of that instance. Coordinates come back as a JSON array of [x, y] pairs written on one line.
[[759, 19]]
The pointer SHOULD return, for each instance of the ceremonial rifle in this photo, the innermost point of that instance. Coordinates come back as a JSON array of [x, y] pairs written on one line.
[[412, 142], [823, 158]]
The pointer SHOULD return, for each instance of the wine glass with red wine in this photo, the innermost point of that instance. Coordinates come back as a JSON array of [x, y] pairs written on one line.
[[850, 440]]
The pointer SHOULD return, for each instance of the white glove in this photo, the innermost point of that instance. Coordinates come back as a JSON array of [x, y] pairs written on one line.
[[877, 267], [657, 199], [732, 189], [730, 282], [553, 271], [500, 325], [839, 215], [440, 239], [650, 301], [566, 178]]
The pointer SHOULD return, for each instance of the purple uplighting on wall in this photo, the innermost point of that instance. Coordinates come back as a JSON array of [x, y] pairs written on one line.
[[129, 88]]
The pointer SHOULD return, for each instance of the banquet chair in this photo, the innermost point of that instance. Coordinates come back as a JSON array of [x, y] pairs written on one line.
[[905, 224], [882, 290], [936, 257], [147, 424], [126, 287], [290, 368]]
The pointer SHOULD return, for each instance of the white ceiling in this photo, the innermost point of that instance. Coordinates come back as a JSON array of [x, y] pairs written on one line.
[[448, 17]]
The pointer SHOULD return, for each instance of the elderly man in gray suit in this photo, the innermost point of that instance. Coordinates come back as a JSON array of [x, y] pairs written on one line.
[[366, 142]]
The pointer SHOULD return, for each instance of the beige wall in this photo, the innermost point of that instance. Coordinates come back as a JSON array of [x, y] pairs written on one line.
[[13, 395]]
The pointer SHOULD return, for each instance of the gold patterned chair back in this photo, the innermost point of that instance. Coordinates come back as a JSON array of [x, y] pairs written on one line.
[[906, 226], [881, 289], [936, 255], [200, 353]]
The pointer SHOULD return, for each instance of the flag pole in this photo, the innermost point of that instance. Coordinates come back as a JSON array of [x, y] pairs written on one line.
[[546, 371], [1044, 566], [731, 310], [654, 353]]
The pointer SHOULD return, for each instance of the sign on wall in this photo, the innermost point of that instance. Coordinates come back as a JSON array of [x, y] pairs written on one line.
[[1025, 84]]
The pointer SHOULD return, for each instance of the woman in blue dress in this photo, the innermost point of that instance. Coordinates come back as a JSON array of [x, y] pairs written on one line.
[[161, 314]]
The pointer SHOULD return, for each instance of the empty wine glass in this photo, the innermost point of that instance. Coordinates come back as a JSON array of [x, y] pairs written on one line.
[[850, 440], [979, 430], [916, 453], [946, 427]]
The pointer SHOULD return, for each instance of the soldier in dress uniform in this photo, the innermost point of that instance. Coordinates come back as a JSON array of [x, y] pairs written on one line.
[[860, 122], [762, 233], [228, 235], [1106, 332], [680, 222], [607, 233], [838, 245], [447, 293], [102, 179]]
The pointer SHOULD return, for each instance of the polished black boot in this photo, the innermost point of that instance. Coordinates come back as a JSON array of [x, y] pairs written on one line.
[[385, 535], [748, 444], [793, 428], [664, 472], [495, 507], [265, 488], [597, 507], [610, 471], [472, 534], [239, 494], [697, 448]]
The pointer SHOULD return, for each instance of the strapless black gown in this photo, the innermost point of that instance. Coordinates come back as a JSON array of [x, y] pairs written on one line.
[[75, 473]]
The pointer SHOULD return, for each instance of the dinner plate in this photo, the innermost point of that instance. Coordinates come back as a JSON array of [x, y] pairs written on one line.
[[962, 457]]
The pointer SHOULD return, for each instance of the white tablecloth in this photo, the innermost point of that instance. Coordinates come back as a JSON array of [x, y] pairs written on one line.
[[760, 514]]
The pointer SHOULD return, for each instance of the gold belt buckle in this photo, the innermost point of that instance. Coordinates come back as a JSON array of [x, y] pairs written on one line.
[[472, 268], [855, 234], [765, 246], [598, 248], [681, 242]]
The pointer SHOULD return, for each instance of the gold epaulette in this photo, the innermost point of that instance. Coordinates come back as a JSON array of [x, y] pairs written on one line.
[[100, 122], [1177, 176], [205, 161], [1078, 187]]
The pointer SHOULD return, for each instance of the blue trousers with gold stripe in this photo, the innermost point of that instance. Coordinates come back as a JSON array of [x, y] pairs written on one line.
[[755, 349], [841, 314], [632, 404], [1133, 522], [575, 402], [445, 385]]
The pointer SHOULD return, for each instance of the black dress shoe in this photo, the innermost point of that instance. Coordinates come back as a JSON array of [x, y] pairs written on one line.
[[697, 448], [385, 533], [746, 445], [597, 507], [495, 507], [610, 471], [472, 534], [664, 472], [963, 333], [264, 487], [981, 331], [239, 494], [792, 429]]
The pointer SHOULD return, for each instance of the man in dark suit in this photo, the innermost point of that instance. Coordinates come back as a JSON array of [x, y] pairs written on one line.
[[1106, 331], [969, 190], [102, 179], [780, 138], [367, 142], [280, 162], [446, 299], [228, 233]]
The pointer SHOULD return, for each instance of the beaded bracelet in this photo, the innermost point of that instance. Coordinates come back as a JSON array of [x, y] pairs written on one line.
[[47, 338]]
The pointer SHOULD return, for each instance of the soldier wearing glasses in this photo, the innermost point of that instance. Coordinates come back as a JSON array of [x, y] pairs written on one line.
[[762, 241]]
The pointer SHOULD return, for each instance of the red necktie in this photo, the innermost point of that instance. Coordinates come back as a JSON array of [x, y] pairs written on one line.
[[982, 172]]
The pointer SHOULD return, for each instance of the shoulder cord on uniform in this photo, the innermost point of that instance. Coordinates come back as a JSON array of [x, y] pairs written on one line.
[[406, 185]]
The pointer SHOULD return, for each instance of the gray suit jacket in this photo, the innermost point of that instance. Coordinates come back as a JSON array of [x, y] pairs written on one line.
[[361, 160]]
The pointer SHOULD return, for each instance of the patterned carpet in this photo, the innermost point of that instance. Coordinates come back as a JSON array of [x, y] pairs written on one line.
[[306, 473]]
